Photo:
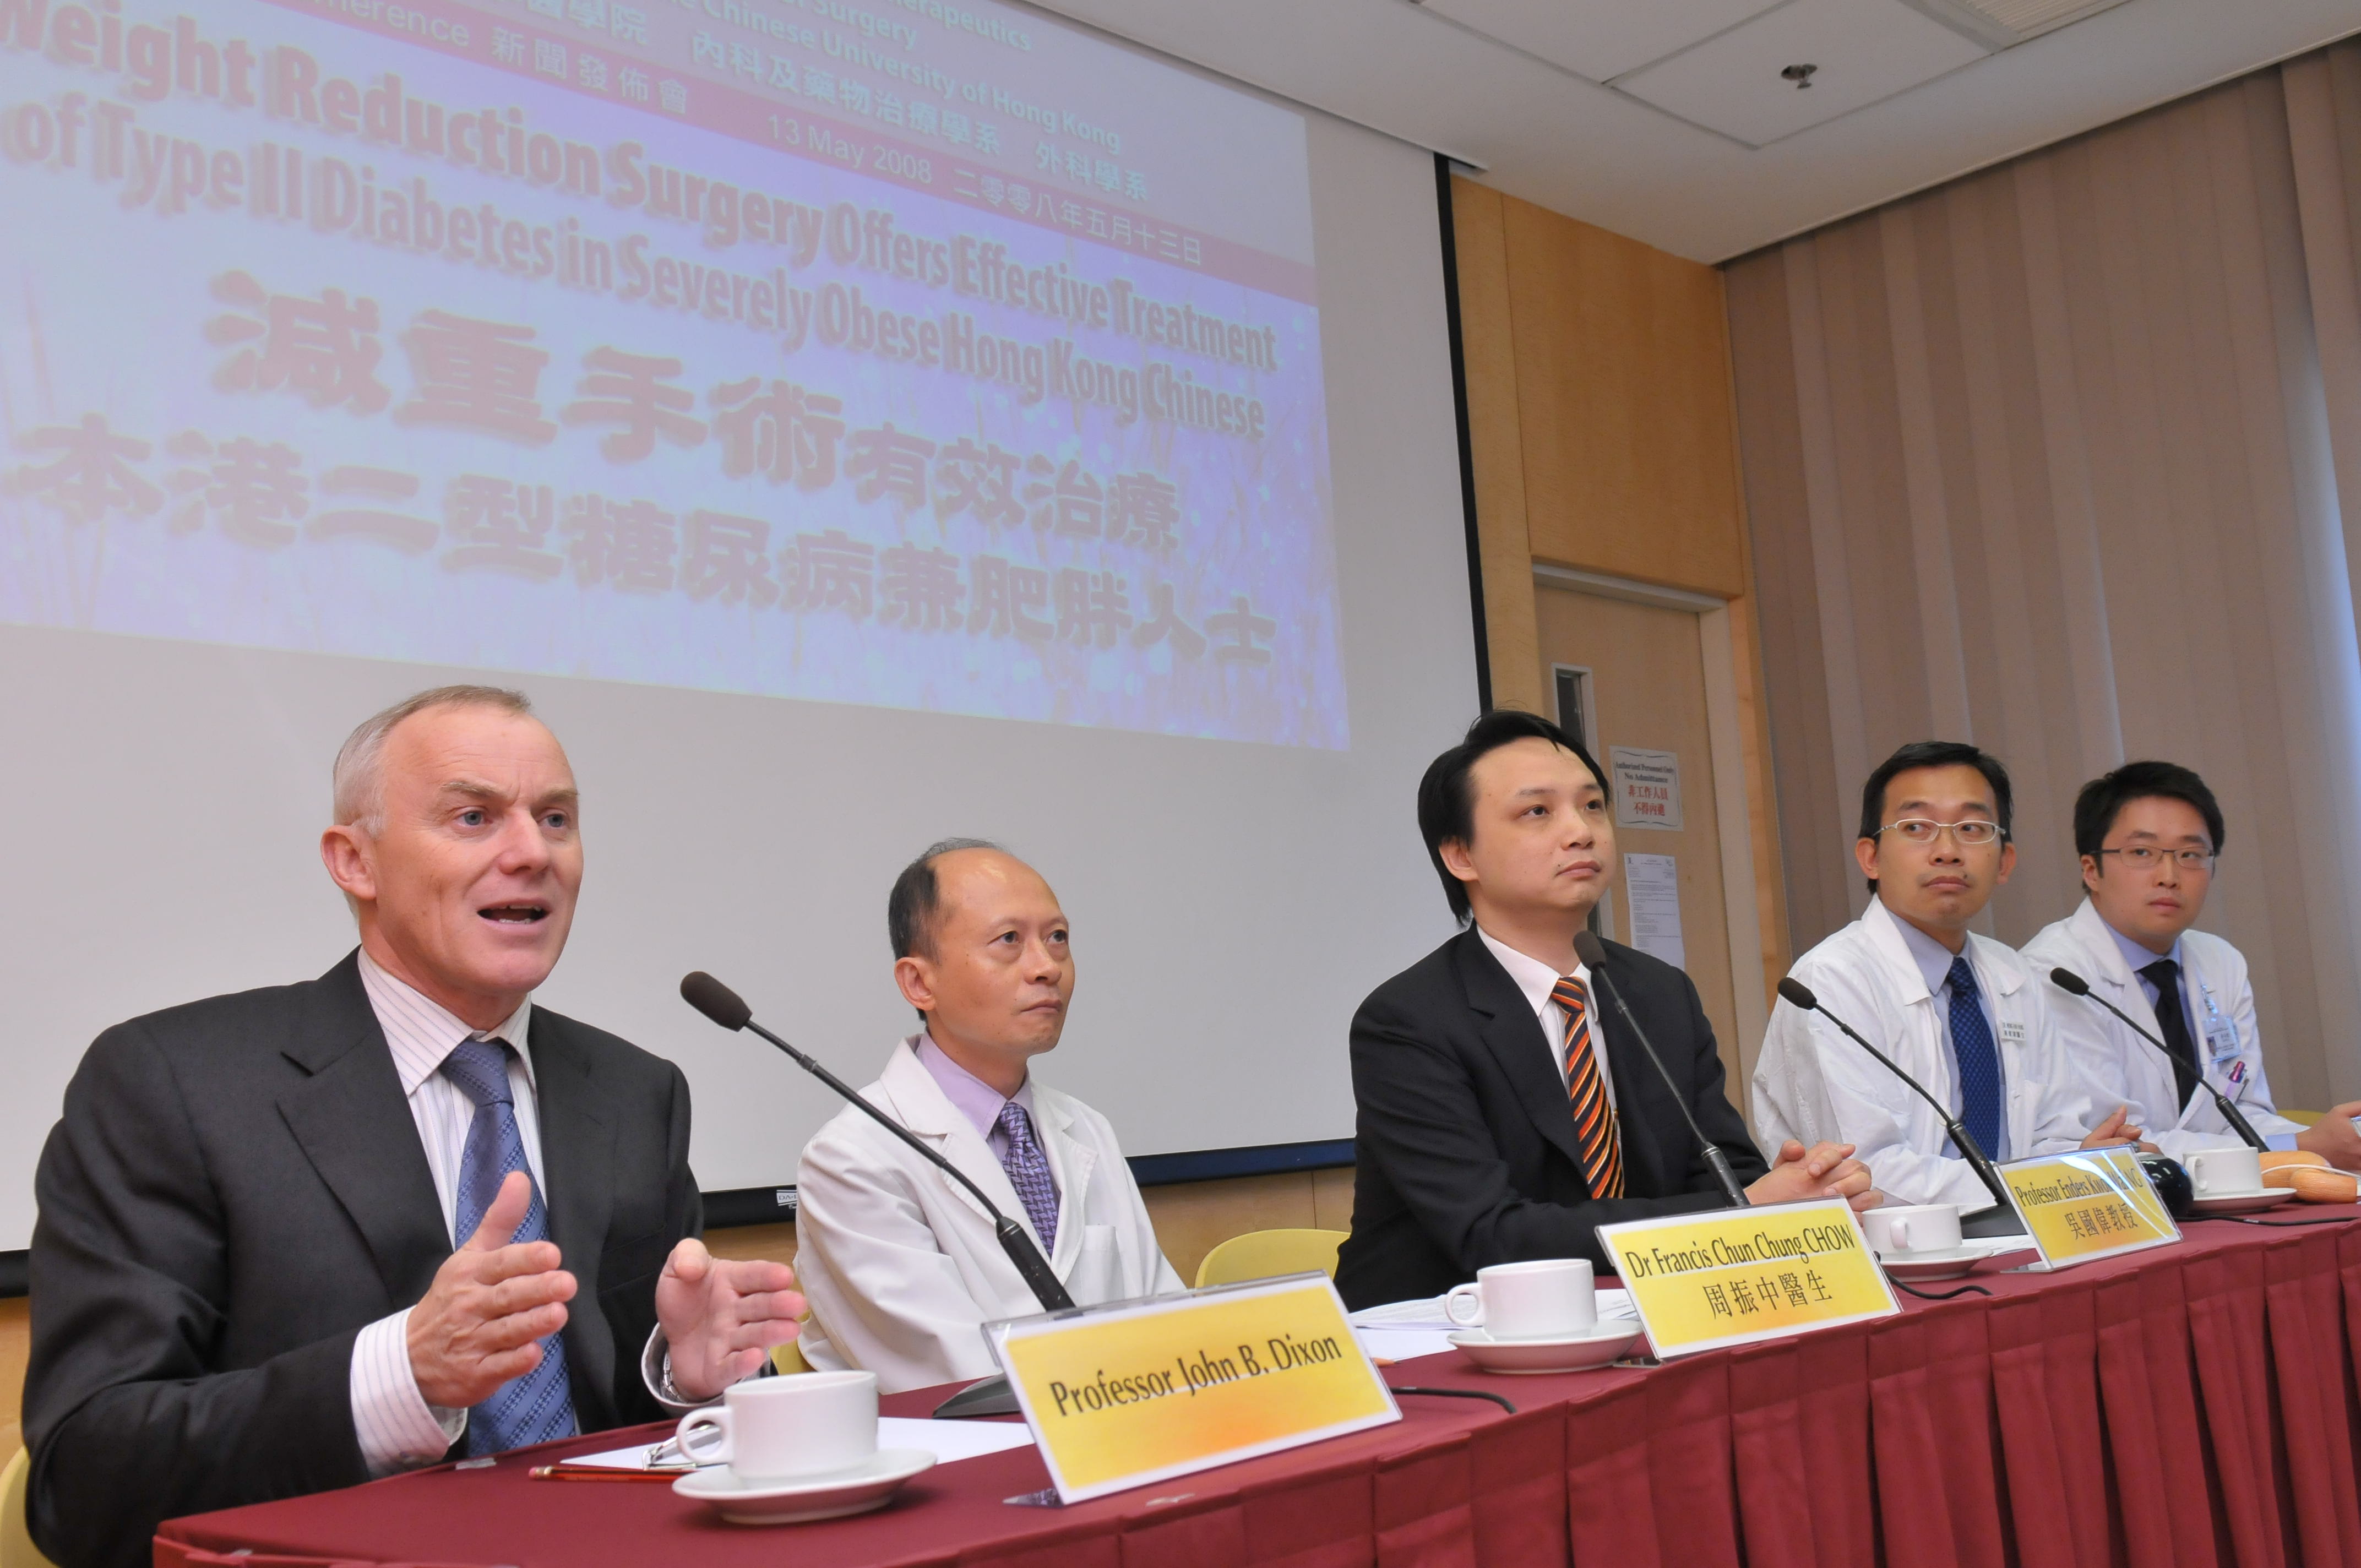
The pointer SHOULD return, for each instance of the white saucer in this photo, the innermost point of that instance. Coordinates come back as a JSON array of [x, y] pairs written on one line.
[[2243, 1202], [1949, 1263], [832, 1496], [1578, 1353]]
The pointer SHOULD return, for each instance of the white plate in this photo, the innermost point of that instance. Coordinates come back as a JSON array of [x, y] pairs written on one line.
[[829, 1496], [2244, 1202], [1949, 1264], [1578, 1354]]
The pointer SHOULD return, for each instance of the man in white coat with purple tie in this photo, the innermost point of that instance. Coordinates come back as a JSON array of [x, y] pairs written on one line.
[[899, 1262]]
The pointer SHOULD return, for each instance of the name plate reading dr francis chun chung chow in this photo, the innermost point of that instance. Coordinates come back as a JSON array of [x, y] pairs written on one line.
[[1702, 1281], [1134, 1392]]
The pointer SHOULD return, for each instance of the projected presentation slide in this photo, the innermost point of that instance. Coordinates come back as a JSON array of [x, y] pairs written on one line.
[[896, 352]]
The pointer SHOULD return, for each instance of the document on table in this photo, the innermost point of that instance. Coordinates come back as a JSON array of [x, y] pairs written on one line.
[[946, 1441], [1401, 1329]]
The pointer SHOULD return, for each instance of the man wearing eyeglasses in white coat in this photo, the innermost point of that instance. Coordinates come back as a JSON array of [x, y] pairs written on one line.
[[2148, 834], [899, 1262], [1961, 1013]]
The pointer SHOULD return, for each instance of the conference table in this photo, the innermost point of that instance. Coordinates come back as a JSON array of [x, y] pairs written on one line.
[[2195, 1404]]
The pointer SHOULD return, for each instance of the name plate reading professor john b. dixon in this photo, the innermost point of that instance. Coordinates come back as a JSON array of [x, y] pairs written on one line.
[[1702, 1281], [1134, 1392]]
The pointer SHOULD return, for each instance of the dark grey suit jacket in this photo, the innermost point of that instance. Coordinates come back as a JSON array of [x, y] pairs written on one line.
[[236, 1190], [1464, 1153]]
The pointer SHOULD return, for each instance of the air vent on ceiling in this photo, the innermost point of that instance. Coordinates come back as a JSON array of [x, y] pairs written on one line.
[[2005, 22]]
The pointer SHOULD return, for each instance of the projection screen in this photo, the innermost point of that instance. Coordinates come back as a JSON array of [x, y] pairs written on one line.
[[853, 421]]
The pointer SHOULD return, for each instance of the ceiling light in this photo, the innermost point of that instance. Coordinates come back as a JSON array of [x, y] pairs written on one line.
[[2005, 22]]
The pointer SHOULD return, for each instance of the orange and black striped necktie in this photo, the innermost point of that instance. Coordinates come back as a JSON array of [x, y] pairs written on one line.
[[1594, 1119]]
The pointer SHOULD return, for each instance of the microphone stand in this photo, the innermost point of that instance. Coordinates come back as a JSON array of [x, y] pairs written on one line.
[[990, 1396], [2002, 1218], [2073, 984], [1593, 954]]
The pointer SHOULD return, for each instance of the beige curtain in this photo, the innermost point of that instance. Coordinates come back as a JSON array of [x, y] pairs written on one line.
[[2050, 459]]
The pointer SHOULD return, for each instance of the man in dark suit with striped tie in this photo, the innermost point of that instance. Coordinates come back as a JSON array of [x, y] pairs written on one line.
[[1501, 1118]]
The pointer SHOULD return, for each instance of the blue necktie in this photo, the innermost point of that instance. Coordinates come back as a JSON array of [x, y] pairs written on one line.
[[539, 1405], [1972, 1043], [1028, 1172]]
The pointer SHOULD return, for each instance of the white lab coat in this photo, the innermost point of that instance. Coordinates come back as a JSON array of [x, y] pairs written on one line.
[[2120, 1068], [1813, 1083], [899, 1261]]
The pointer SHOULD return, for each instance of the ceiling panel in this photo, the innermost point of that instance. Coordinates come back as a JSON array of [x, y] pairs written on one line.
[[1600, 38], [1595, 154], [1865, 51]]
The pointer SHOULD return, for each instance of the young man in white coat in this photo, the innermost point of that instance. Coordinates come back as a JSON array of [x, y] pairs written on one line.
[[898, 1261], [1959, 1012], [2148, 835]]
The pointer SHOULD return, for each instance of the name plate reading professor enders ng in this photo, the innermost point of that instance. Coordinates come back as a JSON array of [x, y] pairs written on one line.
[[1134, 1392], [2087, 1204], [1702, 1281]]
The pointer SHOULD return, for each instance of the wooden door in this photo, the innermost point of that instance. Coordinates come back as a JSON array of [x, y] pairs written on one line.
[[1646, 689]]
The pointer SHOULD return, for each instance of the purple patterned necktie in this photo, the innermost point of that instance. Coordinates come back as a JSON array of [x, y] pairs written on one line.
[[539, 1405], [1028, 1172]]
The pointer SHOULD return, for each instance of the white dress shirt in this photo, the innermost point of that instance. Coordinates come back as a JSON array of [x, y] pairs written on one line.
[[1537, 979], [397, 1428]]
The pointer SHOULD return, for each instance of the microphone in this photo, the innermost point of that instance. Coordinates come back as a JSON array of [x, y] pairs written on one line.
[[2000, 1222], [2073, 984], [727, 1008], [1593, 953]]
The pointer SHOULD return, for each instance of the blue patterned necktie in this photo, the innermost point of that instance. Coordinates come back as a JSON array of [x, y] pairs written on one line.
[[1972, 1043], [539, 1405], [1028, 1172]]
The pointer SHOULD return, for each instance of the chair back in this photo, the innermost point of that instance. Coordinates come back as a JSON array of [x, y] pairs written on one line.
[[16, 1548], [1258, 1255]]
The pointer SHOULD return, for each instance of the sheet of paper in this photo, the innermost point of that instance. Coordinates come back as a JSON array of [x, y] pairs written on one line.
[[1651, 887], [948, 1441], [1402, 1344]]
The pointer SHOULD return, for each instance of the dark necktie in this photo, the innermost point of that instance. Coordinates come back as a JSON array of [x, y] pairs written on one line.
[[1028, 1172], [1594, 1119], [2172, 1022], [1972, 1043], [539, 1405]]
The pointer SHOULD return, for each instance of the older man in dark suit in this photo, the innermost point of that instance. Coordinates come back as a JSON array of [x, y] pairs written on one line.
[[1501, 1116], [297, 1238]]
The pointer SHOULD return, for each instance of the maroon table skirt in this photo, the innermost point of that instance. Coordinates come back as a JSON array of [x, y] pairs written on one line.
[[2193, 1405]]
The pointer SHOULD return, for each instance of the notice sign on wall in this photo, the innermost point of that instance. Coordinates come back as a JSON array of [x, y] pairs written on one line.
[[1647, 787]]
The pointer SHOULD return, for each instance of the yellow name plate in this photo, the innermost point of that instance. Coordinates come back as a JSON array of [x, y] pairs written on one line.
[[2087, 1204], [1703, 1281], [1134, 1392]]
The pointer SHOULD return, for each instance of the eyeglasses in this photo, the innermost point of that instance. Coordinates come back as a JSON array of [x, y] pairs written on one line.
[[2147, 857], [1921, 830]]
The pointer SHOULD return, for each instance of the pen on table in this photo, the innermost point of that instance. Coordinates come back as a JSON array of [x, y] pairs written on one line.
[[561, 1473]]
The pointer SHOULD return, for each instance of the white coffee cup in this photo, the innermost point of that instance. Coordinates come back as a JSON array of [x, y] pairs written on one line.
[[1554, 1297], [1916, 1227], [2225, 1173], [782, 1428]]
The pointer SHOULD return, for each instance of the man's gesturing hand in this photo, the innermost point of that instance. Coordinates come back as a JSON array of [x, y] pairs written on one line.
[[722, 1317], [1826, 1170], [490, 1304]]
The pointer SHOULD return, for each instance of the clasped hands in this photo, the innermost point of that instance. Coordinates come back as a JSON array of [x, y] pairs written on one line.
[[480, 1323], [1824, 1170]]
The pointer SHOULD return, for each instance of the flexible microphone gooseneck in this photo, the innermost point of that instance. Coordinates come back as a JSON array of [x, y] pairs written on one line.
[[727, 1008], [2001, 1221], [2073, 984], [1593, 954]]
